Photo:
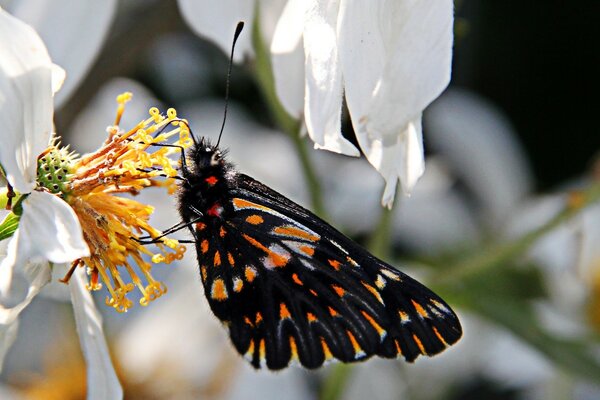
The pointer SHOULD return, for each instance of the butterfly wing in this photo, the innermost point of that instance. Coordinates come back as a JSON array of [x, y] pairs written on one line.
[[291, 287]]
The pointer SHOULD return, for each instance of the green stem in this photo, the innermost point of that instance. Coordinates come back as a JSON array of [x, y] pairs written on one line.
[[503, 252], [289, 125], [335, 383]]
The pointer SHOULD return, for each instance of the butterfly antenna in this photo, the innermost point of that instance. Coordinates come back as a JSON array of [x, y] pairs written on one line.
[[238, 30]]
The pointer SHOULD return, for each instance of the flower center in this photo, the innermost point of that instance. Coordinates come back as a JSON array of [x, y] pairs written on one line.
[[55, 170]]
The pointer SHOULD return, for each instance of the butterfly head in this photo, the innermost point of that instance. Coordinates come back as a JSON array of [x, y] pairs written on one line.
[[205, 156]]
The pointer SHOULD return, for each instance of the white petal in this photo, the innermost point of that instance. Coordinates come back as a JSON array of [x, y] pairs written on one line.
[[287, 57], [396, 59], [25, 101], [48, 230], [102, 381], [35, 276], [323, 90], [418, 66], [8, 334], [74, 32], [216, 21], [401, 158]]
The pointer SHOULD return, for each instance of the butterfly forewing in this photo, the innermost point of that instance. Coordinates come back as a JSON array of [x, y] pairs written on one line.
[[290, 287]]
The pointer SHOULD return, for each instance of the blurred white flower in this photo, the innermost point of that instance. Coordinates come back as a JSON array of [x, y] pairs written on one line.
[[389, 58], [570, 259]]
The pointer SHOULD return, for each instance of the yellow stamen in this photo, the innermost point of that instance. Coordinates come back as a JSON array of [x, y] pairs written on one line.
[[127, 162]]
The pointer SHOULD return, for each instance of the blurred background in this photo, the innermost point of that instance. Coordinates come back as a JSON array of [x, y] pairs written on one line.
[[508, 142]]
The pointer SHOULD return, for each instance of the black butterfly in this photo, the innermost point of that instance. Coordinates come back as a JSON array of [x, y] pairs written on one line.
[[289, 286]]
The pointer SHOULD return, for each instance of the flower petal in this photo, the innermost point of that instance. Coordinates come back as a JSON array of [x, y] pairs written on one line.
[[323, 90], [418, 66], [392, 71], [216, 21], [48, 230], [287, 57], [60, 23], [26, 109], [36, 276], [102, 381]]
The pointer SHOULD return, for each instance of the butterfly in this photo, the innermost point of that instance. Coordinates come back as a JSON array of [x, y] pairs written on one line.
[[290, 287]]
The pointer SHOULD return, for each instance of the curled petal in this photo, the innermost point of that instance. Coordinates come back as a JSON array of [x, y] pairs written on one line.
[[392, 71], [48, 230], [323, 83], [59, 23], [26, 74], [216, 21], [102, 381]]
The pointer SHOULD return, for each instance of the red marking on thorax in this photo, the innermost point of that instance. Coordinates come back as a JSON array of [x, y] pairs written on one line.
[[215, 210], [211, 180]]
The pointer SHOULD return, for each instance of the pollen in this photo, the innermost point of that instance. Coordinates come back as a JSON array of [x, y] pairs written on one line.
[[128, 162]]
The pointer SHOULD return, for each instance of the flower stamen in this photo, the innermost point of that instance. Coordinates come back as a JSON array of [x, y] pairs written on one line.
[[127, 162]]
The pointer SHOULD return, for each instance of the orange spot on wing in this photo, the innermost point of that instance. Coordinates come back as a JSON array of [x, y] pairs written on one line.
[[238, 284], [403, 316], [247, 320], [283, 311], [326, 351], [419, 309], [276, 259], [200, 226], [439, 336], [419, 344], [258, 318], [222, 232], [250, 274], [332, 312], [217, 260], [261, 349], [204, 246], [296, 279], [255, 219], [219, 291], [351, 261], [313, 293], [335, 264], [293, 347], [374, 324], [398, 348], [295, 232], [203, 273], [373, 291], [311, 317], [340, 292], [230, 259], [357, 349], [241, 203], [308, 250], [250, 350], [211, 180]]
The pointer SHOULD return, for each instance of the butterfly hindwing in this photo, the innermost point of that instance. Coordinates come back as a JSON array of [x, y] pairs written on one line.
[[290, 287]]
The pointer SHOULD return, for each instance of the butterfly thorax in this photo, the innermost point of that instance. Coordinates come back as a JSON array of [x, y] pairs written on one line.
[[207, 178]]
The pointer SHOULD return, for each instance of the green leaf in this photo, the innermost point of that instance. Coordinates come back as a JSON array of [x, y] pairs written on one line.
[[9, 226]]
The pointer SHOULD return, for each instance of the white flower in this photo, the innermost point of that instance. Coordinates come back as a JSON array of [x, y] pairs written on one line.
[[389, 58], [49, 230]]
